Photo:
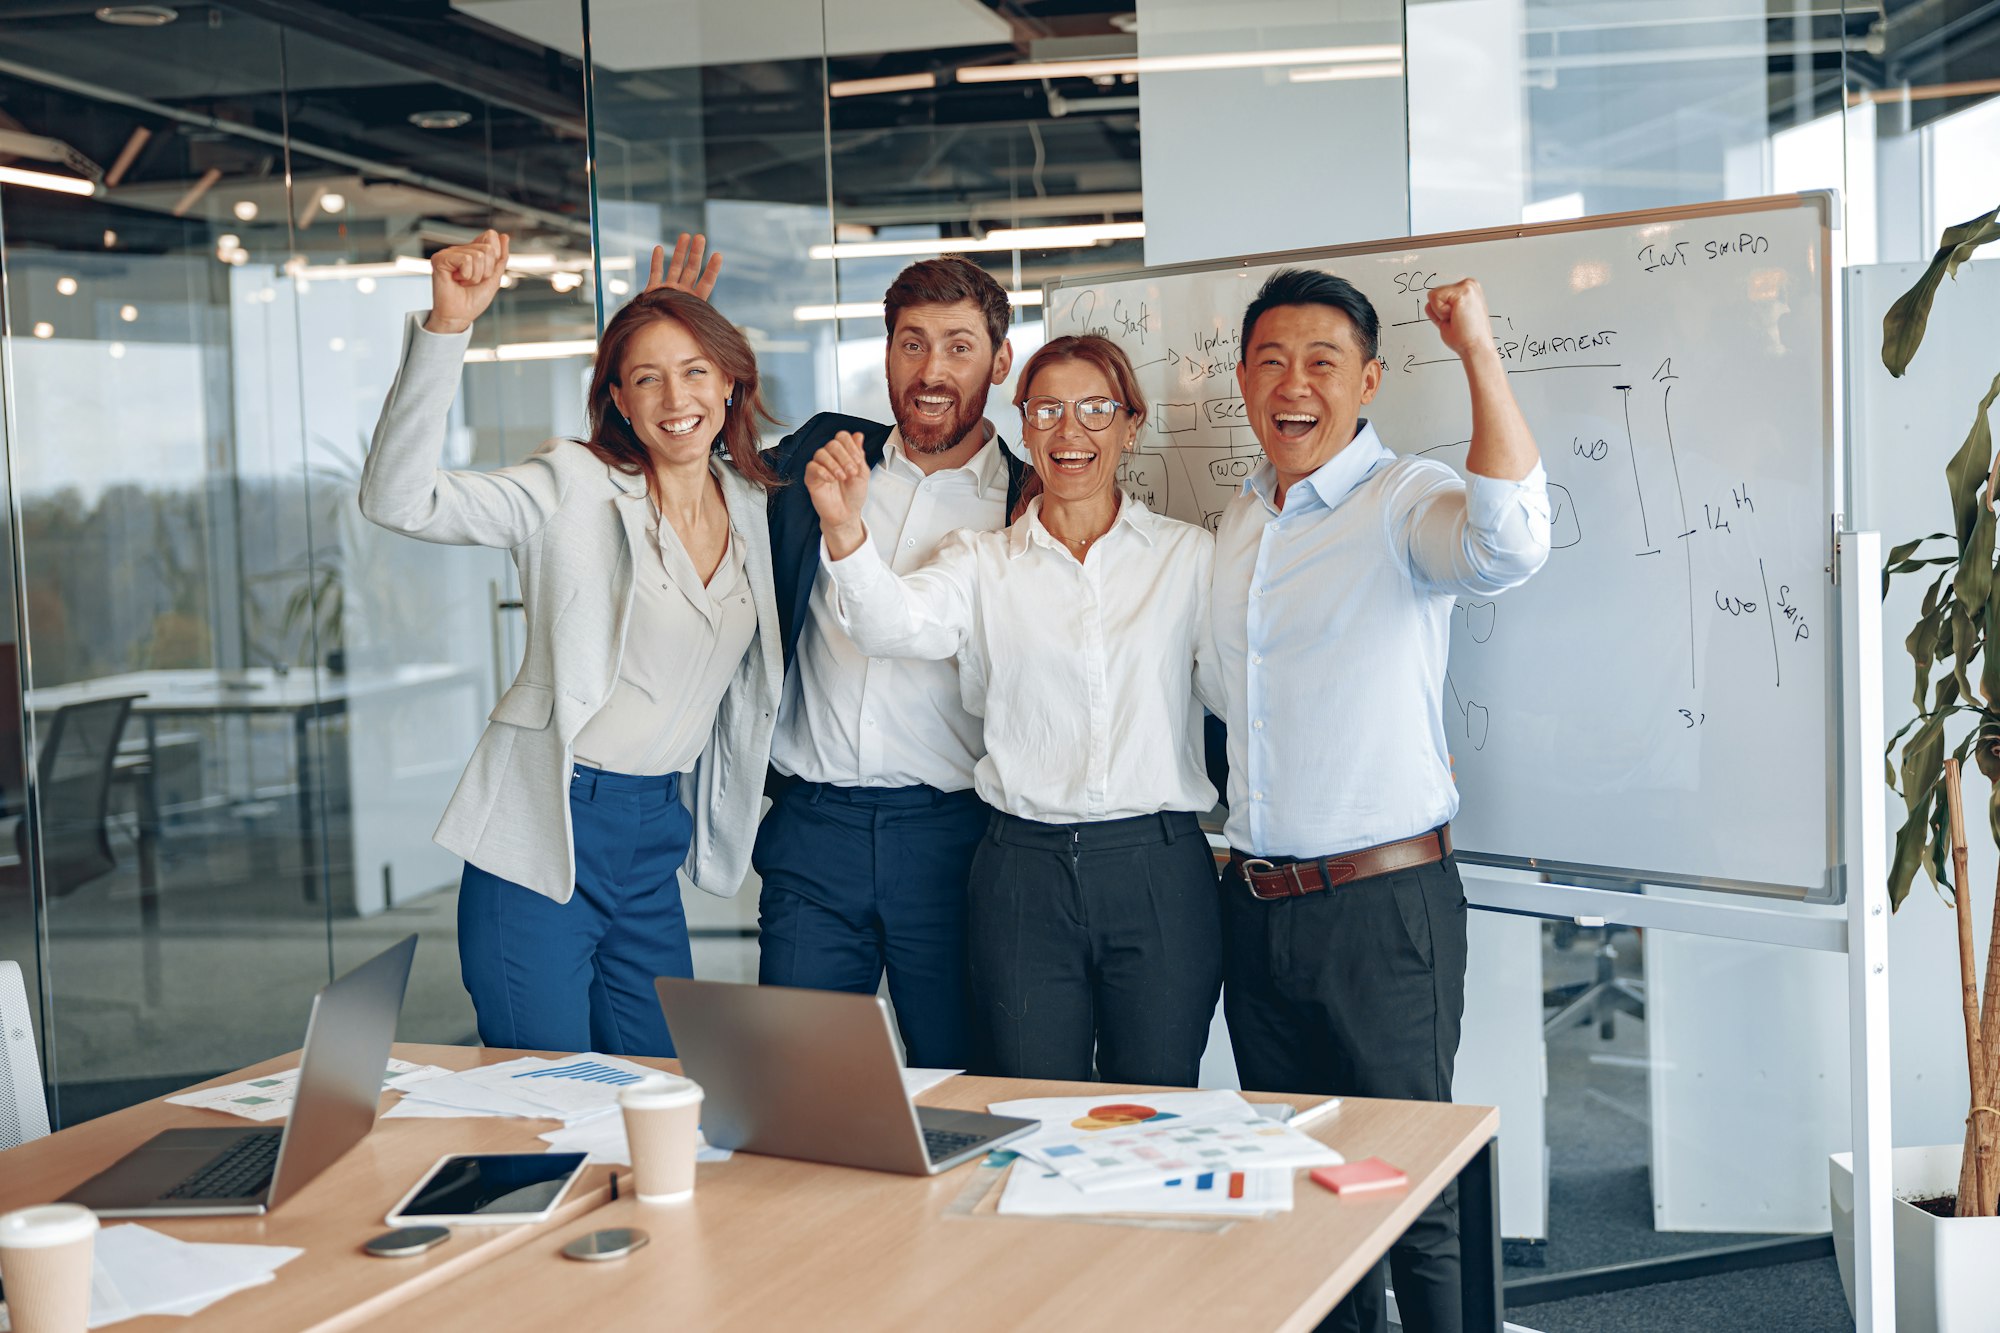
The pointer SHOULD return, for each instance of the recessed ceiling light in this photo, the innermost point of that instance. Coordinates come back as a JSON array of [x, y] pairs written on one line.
[[66, 285], [245, 210], [229, 240], [110, 238], [45, 330], [333, 203], [336, 344], [128, 313], [440, 120], [137, 16], [117, 351], [366, 286]]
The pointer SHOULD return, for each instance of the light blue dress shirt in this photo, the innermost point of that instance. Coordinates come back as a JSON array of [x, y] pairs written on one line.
[[1332, 624]]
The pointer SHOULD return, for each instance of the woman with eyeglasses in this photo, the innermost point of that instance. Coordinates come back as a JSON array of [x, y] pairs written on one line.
[[1082, 638]]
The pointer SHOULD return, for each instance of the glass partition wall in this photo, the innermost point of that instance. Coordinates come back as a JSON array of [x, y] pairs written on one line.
[[247, 705], [270, 699]]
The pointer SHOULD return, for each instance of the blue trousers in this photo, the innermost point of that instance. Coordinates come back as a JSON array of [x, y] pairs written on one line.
[[862, 879], [578, 976]]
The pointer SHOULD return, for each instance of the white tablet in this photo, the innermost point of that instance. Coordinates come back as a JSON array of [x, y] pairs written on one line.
[[477, 1188]]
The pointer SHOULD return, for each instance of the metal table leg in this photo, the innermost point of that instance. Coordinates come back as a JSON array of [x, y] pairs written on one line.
[[1479, 1240]]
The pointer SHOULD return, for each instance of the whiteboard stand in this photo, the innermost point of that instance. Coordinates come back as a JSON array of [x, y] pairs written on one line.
[[1862, 935], [1865, 851]]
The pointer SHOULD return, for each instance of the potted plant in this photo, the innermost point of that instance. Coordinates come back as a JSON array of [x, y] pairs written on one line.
[[1946, 1231]]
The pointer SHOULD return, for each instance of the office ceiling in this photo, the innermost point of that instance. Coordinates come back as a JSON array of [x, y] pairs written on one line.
[[707, 99]]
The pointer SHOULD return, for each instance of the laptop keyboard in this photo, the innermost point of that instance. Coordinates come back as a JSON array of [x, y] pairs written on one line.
[[240, 1173], [943, 1143]]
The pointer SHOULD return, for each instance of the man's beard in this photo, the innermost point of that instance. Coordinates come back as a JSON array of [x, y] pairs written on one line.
[[934, 437]]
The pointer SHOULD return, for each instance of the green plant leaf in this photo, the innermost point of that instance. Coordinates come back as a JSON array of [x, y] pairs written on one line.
[[1912, 842], [1903, 326]]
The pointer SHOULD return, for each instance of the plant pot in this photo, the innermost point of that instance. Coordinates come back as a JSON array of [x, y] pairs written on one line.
[[1946, 1277]]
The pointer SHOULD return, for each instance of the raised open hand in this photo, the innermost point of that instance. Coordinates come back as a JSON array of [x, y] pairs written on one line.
[[464, 279], [686, 272]]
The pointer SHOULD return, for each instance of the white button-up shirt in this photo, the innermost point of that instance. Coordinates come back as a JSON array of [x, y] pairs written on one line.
[[1332, 622], [684, 644], [858, 721], [1091, 675]]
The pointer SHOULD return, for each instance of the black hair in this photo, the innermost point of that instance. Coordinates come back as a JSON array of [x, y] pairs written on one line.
[[1305, 286]]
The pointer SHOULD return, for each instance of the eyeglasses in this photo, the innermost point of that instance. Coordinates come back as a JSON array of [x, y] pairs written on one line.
[[1095, 413]]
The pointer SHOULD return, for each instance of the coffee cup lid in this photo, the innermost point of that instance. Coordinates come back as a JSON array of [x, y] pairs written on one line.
[[46, 1224], [660, 1092]]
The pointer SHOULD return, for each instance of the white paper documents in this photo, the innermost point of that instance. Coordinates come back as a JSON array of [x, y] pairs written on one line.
[[1034, 1191], [923, 1080], [270, 1097], [567, 1088], [1109, 1142], [602, 1138], [138, 1271]]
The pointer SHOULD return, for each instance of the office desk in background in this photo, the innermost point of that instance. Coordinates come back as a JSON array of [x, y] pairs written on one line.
[[305, 696], [771, 1243]]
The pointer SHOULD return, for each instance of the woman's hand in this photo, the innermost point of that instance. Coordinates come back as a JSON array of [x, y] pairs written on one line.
[[686, 273], [837, 480], [463, 281]]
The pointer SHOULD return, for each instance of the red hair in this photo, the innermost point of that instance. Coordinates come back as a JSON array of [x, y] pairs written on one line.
[[611, 435], [1092, 349]]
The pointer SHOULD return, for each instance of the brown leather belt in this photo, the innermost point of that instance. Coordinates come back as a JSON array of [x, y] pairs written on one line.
[[1292, 879]]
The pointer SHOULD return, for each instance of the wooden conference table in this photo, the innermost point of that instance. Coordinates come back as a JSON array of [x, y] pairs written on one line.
[[772, 1243]]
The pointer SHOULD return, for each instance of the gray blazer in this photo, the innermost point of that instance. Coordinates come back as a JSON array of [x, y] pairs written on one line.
[[576, 527]]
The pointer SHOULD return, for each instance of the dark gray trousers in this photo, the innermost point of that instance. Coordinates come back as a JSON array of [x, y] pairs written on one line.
[[1359, 991], [1103, 937]]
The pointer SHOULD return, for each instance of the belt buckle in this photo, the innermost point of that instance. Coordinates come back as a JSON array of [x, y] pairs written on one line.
[[1257, 865]]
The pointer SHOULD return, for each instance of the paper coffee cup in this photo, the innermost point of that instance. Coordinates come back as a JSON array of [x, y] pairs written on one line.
[[45, 1263], [663, 1128]]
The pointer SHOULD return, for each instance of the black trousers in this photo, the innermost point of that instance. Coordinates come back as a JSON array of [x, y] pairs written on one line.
[[1103, 937], [1359, 991]]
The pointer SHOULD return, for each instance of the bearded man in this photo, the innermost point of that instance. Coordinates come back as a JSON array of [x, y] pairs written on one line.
[[865, 854]]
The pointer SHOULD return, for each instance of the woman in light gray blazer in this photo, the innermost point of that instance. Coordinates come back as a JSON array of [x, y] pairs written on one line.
[[636, 735]]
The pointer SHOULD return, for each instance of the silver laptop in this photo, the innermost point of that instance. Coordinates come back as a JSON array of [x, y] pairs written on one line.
[[223, 1172], [813, 1074]]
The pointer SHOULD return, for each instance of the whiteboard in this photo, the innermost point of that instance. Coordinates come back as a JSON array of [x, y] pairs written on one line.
[[1653, 705]]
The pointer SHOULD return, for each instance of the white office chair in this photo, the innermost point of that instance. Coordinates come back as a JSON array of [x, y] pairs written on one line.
[[24, 1114]]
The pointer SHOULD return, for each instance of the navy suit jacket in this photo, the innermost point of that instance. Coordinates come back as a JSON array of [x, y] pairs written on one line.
[[795, 523]]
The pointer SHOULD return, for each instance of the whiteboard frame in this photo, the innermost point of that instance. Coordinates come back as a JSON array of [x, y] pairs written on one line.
[[1832, 886]]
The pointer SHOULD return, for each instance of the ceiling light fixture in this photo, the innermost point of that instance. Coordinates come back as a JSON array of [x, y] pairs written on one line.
[[245, 210], [549, 351], [128, 313], [196, 191], [117, 351], [127, 155], [1086, 69], [400, 266], [45, 180], [1379, 69], [366, 286], [333, 203], [44, 329], [440, 120], [1001, 238], [888, 83], [806, 314], [137, 16], [564, 281], [66, 285]]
